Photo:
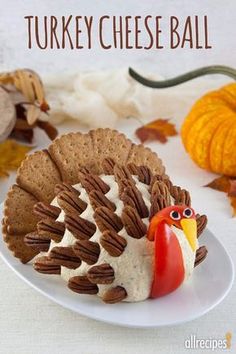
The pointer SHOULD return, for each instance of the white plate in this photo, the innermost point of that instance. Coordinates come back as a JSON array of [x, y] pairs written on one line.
[[210, 283]]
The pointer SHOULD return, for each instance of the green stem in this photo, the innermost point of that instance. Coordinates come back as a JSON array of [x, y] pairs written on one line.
[[208, 70]]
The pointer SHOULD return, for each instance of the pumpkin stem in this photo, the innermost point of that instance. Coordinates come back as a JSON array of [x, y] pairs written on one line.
[[213, 69]]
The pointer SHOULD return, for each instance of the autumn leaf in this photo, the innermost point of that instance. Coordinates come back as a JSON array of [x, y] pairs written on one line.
[[158, 129], [233, 204], [11, 155], [232, 188], [221, 184], [227, 185]]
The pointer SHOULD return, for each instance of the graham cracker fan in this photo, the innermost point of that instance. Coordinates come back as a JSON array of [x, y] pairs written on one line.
[[41, 171]]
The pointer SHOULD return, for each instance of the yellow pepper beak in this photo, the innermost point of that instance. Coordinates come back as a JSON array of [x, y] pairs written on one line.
[[189, 227]]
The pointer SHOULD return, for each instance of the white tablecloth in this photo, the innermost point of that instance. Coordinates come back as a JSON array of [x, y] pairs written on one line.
[[31, 324]]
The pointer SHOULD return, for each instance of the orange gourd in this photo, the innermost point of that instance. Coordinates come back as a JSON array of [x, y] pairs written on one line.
[[209, 131]]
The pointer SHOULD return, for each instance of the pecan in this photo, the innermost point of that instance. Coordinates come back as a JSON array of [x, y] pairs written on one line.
[[113, 243], [168, 183], [87, 251], [108, 166], [65, 187], [122, 172], [79, 227], [183, 197], [158, 202], [51, 229], [133, 197], [81, 285], [143, 172], [65, 256], [154, 179], [114, 295], [201, 223], [83, 171], [46, 265], [107, 220], [133, 224], [160, 188], [38, 243], [70, 202], [91, 182], [98, 199], [44, 210], [174, 191], [101, 274], [122, 184], [200, 255]]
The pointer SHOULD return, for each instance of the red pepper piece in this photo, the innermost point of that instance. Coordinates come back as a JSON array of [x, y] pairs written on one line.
[[169, 267]]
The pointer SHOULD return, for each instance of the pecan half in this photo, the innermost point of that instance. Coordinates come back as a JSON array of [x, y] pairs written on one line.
[[87, 251], [133, 224], [168, 183], [122, 172], [70, 202], [46, 265], [174, 191], [44, 210], [114, 295], [133, 197], [91, 182], [200, 255], [113, 243], [98, 199], [154, 179], [108, 166], [65, 256], [201, 223], [107, 220], [160, 188], [183, 197], [65, 187], [143, 172], [34, 240], [83, 171], [122, 184], [80, 228], [158, 202], [101, 274], [51, 229], [81, 285]]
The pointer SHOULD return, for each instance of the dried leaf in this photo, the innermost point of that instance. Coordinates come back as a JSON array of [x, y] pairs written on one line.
[[159, 130], [232, 188], [221, 184], [227, 185], [233, 204], [11, 155]]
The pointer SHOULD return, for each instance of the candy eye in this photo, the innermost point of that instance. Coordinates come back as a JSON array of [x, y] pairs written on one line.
[[175, 215], [187, 213]]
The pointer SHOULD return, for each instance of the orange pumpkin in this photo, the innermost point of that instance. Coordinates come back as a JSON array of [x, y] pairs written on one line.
[[209, 131]]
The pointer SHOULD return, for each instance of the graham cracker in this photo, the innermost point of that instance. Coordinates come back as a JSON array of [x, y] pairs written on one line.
[[18, 215], [142, 155], [16, 244], [38, 175], [109, 143], [70, 152]]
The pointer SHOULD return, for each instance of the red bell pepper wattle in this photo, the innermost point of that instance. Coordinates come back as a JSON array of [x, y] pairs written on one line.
[[168, 264]]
